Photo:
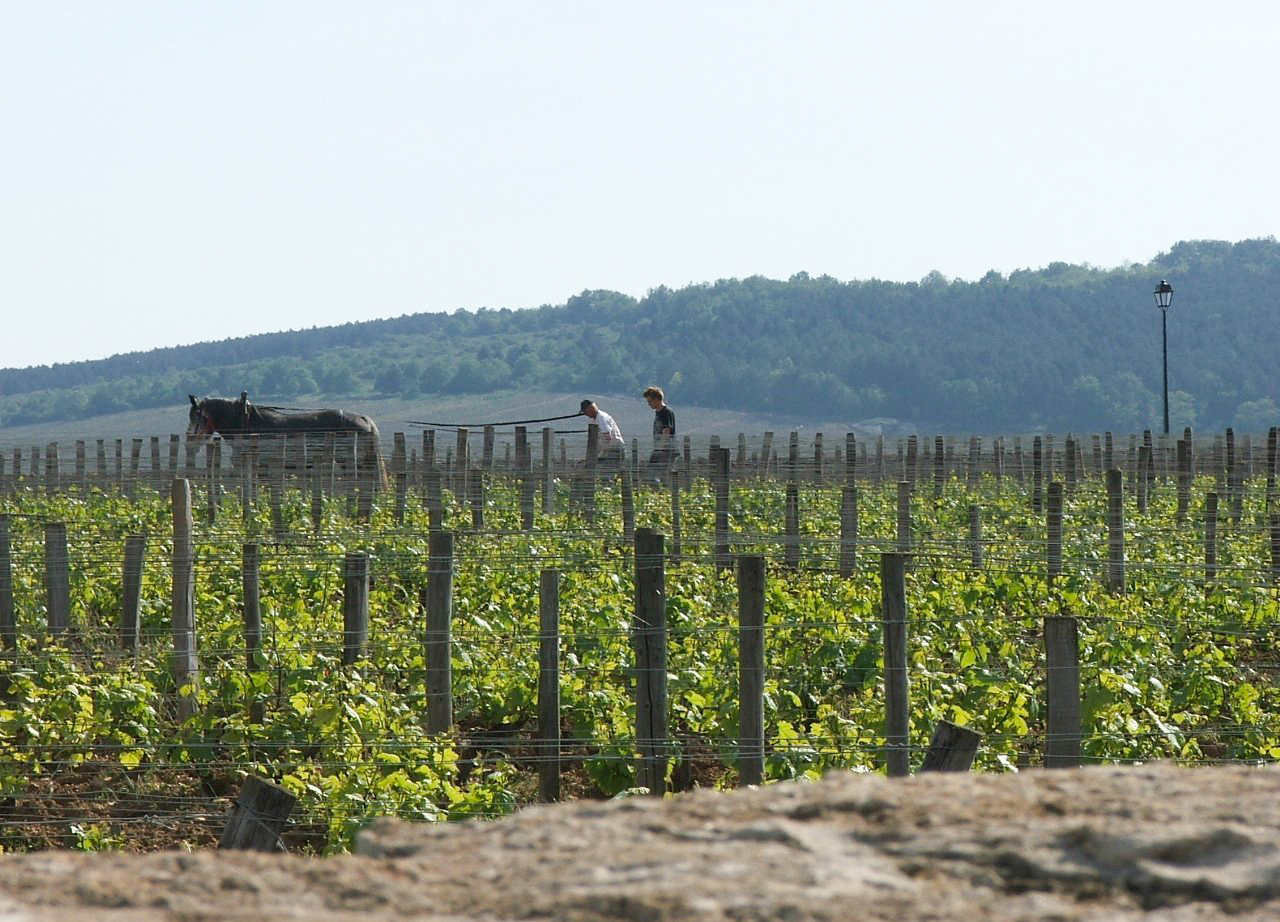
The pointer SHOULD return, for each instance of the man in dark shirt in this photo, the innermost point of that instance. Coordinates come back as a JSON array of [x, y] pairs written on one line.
[[664, 434]]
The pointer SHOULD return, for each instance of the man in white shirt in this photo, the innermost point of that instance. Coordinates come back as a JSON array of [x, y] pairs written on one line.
[[609, 458]]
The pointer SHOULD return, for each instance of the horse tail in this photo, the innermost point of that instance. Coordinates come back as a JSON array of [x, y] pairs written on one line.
[[375, 456]]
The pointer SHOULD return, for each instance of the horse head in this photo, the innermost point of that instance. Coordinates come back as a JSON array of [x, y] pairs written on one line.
[[210, 415]]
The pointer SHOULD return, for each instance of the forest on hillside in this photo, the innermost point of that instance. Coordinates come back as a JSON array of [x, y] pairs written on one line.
[[1065, 347]]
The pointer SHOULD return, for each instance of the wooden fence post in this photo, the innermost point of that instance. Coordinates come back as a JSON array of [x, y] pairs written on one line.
[[904, 517], [1062, 692], [135, 550], [549, 685], [186, 666], [1210, 538], [355, 607], [548, 472], [848, 530], [8, 616], [975, 536], [257, 817], [649, 636], [751, 595], [438, 643], [720, 473], [252, 617], [675, 479], [1054, 530], [897, 704], [1115, 530], [57, 577], [952, 748]]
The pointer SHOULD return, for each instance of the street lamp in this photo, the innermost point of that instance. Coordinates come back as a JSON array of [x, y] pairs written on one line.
[[1164, 294]]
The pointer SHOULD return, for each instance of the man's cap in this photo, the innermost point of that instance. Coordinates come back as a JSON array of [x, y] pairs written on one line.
[[586, 403]]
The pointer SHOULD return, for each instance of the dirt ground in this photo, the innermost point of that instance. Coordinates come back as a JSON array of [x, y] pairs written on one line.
[[1145, 842]]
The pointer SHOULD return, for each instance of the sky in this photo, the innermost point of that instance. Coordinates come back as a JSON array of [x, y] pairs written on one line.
[[173, 173]]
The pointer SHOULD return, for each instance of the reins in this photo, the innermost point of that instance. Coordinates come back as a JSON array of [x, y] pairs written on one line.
[[509, 422]]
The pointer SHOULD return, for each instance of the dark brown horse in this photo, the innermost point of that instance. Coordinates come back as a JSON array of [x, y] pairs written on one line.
[[238, 418]]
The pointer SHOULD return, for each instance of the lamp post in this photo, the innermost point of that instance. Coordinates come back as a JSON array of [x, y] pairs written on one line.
[[1164, 294]]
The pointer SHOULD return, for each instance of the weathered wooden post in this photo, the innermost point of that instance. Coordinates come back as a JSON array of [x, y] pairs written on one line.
[[1115, 530], [8, 615], [721, 476], [57, 577], [939, 466], [952, 748], [1054, 530], [751, 595], [904, 517], [400, 471], [1210, 538], [1037, 475], [355, 607], [848, 530], [135, 549], [675, 480], [439, 635], [548, 473], [549, 685], [791, 527], [186, 666], [1184, 479], [649, 636], [1062, 692], [628, 503], [975, 536], [257, 818], [897, 703], [252, 616]]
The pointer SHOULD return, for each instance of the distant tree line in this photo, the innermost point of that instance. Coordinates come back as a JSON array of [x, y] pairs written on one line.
[[1065, 347]]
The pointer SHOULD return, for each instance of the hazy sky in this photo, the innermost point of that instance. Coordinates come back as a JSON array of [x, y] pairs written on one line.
[[182, 172]]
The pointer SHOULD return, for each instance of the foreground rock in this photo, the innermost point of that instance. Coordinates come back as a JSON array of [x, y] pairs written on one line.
[[1101, 843]]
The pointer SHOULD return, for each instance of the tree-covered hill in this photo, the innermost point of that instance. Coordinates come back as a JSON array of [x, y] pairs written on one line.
[[1061, 348]]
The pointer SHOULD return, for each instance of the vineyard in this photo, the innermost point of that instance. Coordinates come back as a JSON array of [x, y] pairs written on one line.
[[390, 651]]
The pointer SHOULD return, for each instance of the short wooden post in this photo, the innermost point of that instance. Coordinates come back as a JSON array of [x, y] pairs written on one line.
[[897, 704], [135, 550], [549, 685], [848, 530], [751, 595], [400, 470], [649, 636], [548, 472], [1062, 692], [477, 483], [1115, 530], [675, 479], [975, 536], [1054, 529], [1274, 522], [952, 748], [720, 474], [257, 818], [791, 526], [904, 517], [57, 577], [8, 616], [1211, 537], [438, 642], [628, 503], [355, 607], [186, 667], [252, 616]]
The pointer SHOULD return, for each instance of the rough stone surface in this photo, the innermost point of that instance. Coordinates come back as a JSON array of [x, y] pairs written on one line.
[[1149, 842]]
